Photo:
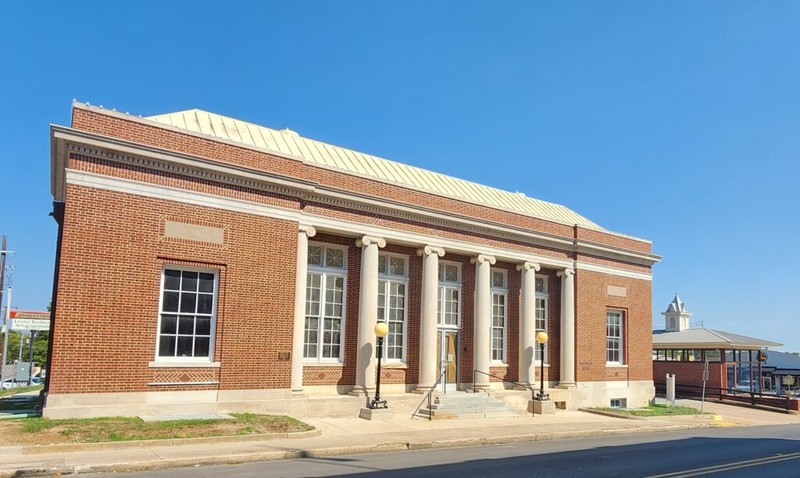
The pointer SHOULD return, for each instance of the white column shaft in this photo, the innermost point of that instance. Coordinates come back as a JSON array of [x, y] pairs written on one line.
[[483, 320], [527, 330], [567, 328], [300, 308], [367, 315], [428, 366]]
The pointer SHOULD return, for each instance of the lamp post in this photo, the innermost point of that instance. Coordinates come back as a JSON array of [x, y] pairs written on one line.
[[541, 338], [381, 329]]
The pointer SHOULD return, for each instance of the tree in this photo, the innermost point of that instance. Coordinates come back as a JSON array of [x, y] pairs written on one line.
[[40, 343]]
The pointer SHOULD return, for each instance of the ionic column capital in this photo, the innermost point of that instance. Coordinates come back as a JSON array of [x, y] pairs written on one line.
[[309, 230], [526, 266], [369, 240], [428, 250], [483, 258], [565, 273]]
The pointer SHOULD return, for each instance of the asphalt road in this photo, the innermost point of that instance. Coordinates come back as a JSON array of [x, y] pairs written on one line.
[[730, 452]]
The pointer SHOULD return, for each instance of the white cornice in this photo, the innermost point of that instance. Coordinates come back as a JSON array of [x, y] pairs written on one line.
[[154, 158], [81, 178], [137, 152], [336, 225], [589, 266], [595, 249], [324, 223]]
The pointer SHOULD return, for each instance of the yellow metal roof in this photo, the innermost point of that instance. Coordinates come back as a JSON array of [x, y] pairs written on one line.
[[287, 142]]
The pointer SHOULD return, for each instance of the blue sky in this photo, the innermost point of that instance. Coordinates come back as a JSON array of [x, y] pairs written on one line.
[[678, 122]]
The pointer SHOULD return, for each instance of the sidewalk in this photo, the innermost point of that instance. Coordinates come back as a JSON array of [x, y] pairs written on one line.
[[341, 436]]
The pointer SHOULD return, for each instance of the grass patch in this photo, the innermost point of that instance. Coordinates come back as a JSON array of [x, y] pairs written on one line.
[[14, 391], [38, 431], [652, 411]]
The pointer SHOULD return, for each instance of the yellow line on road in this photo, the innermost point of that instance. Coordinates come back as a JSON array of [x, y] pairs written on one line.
[[728, 466]]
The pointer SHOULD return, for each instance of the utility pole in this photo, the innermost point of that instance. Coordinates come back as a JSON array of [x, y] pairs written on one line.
[[5, 332], [3, 252], [3, 272]]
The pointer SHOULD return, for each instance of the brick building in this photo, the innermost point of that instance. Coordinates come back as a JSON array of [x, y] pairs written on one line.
[[208, 264], [733, 359]]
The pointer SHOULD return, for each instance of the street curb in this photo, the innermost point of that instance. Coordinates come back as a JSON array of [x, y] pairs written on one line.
[[331, 451], [73, 447]]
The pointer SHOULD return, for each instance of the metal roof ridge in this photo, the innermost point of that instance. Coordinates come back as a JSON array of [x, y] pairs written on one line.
[[567, 216], [481, 188]]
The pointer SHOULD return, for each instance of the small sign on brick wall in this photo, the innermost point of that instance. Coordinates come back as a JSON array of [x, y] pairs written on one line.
[[617, 291], [284, 355]]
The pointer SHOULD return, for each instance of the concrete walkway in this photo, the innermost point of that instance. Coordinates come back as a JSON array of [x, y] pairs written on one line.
[[341, 436]]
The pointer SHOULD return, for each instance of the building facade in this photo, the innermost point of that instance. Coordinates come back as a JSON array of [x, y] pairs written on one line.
[[205, 263], [734, 362]]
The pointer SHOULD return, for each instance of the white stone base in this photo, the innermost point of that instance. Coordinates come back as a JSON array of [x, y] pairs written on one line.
[[375, 414], [542, 407], [325, 401]]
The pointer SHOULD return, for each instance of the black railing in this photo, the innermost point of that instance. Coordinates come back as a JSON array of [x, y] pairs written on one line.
[[429, 396], [518, 384], [722, 394]]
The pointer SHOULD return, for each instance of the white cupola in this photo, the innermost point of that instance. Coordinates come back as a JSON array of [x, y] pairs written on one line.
[[676, 317]]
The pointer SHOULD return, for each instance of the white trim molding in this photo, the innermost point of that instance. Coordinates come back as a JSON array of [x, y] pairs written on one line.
[[65, 140]]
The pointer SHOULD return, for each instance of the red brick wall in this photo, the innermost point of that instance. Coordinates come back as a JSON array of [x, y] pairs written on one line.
[[592, 302], [110, 272], [690, 373]]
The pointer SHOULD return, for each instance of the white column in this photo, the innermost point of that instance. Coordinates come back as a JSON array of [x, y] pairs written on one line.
[[483, 319], [527, 323], [567, 328], [367, 315], [300, 307], [428, 366]]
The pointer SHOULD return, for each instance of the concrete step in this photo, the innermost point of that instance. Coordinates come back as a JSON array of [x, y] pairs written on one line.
[[467, 405]]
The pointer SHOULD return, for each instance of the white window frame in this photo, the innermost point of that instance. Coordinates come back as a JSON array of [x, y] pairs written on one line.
[[497, 292], [213, 317], [385, 281], [326, 273], [543, 298], [444, 287], [620, 338]]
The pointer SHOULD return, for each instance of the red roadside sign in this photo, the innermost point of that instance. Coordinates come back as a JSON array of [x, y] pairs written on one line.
[[30, 314], [29, 320]]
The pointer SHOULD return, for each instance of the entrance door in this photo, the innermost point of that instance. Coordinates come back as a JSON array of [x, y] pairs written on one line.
[[447, 357]]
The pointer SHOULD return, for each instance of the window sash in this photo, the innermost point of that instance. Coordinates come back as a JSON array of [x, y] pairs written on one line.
[[392, 310], [325, 313], [614, 337], [540, 325], [187, 314], [450, 272], [499, 338], [449, 306]]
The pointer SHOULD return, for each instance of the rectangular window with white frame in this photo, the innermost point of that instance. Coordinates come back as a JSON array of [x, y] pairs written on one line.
[[449, 304], [615, 333], [499, 290], [325, 303], [392, 303], [540, 319], [187, 314]]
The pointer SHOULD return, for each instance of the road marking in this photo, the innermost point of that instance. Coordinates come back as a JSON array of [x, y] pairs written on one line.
[[728, 466]]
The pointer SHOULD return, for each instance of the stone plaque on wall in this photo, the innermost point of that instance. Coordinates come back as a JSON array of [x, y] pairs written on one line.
[[617, 291]]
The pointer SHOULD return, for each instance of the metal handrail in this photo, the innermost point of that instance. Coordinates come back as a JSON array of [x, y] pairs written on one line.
[[430, 394], [731, 394], [523, 385]]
